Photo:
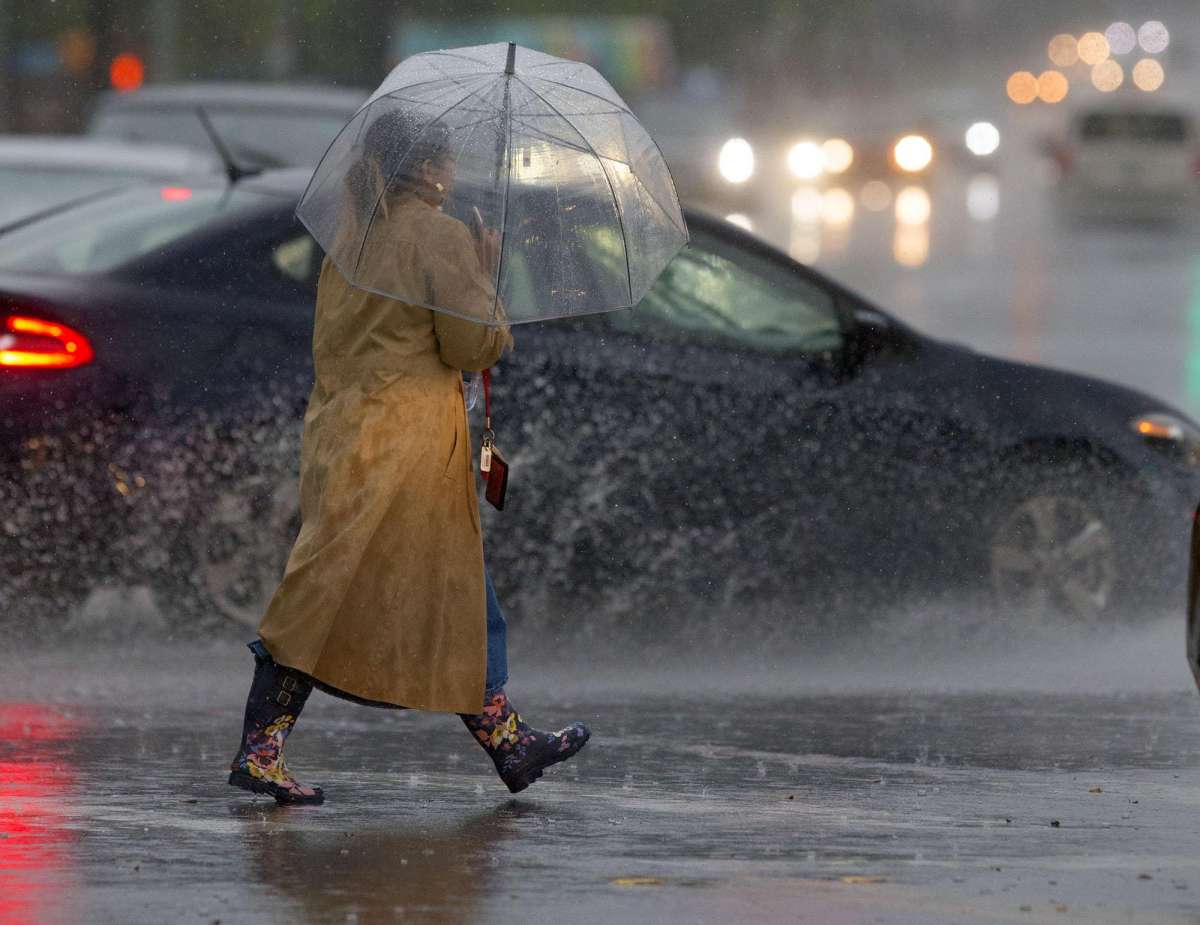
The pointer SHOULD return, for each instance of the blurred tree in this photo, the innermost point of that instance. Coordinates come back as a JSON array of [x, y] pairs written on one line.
[[781, 51], [7, 88]]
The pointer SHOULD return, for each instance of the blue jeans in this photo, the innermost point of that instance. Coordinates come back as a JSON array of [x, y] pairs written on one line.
[[497, 652], [497, 640]]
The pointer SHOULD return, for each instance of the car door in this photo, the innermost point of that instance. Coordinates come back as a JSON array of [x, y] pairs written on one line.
[[277, 278], [699, 465], [238, 507]]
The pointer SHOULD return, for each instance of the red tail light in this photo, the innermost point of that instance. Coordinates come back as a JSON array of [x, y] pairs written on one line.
[[35, 342]]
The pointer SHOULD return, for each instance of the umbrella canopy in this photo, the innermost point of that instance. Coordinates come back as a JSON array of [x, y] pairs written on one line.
[[578, 193]]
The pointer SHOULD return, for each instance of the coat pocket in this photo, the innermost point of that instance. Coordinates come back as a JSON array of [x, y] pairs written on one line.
[[451, 470]]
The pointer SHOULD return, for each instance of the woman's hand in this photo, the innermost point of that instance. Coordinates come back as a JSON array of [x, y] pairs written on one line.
[[487, 248]]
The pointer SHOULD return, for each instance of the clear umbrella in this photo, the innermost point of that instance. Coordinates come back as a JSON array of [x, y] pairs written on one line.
[[545, 157]]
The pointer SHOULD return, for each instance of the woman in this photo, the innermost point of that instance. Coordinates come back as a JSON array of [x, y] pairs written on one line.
[[385, 599]]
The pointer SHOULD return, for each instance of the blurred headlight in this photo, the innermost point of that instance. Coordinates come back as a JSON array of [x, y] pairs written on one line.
[[913, 153], [982, 139], [1169, 432], [736, 161], [839, 155], [806, 160]]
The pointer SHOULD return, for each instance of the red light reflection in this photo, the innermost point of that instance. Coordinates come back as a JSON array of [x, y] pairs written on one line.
[[36, 780]]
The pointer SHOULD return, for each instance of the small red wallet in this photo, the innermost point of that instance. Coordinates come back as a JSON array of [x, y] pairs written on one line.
[[497, 482]]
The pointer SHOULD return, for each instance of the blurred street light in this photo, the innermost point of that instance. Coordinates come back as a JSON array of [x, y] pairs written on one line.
[[806, 160], [77, 51], [1064, 50], [1022, 87], [1093, 48], [1153, 37], [913, 153], [127, 72], [1107, 76], [736, 161], [1148, 75], [983, 139], [1052, 87], [1121, 38]]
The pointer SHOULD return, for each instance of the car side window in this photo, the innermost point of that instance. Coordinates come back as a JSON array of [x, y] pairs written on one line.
[[715, 294]]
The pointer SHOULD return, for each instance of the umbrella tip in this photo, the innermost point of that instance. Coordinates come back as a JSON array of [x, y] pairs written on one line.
[[512, 57]]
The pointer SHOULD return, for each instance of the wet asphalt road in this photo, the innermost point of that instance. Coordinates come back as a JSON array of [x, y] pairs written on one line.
[[816, 796]]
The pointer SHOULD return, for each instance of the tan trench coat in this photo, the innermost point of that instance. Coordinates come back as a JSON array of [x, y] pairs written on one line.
[[383, 593]]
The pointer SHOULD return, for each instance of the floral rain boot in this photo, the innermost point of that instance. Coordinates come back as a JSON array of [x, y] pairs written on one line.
[[520, 752], [277, 695]]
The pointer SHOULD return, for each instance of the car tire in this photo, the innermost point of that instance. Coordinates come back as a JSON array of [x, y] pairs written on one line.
[[240, 546], [1058, 544]]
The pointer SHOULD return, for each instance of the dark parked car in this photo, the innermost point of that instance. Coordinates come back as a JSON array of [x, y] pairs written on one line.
[[39, 173], [751, 438], [264, 125]]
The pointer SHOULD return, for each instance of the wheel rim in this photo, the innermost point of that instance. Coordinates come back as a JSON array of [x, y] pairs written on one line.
[[1055, 553], [243, 544]]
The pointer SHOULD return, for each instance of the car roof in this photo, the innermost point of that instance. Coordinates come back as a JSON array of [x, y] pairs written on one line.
[[234, 95], [81, 153], [292, 181]]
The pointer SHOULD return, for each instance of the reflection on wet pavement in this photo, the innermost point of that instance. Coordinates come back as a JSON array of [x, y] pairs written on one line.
[[442, 869], [36, 782], [890, 806]]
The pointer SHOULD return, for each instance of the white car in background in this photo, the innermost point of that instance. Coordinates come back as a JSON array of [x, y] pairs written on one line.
[[263, 125], [1129, 162], [41, 173]]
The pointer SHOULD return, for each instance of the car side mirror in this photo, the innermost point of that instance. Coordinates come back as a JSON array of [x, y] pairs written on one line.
[[869, 317], [873, 333]]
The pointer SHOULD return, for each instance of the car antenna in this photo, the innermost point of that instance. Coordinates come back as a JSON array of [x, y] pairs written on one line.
[[233, 170]]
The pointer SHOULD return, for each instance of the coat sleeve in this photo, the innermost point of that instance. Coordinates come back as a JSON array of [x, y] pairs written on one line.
[[459, 282]]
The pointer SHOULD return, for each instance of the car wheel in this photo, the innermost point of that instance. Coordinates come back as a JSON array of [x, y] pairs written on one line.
[[242, 545], [1055, 551]]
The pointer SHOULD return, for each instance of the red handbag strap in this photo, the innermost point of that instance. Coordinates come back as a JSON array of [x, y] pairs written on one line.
[[487, 399]]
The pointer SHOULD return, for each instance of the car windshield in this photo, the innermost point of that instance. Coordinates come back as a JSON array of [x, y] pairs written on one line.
[[256, 137], [26, 191], [107, 232], [1134, 126]]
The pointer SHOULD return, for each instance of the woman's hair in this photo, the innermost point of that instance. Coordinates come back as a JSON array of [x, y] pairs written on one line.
[[398, 143]]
